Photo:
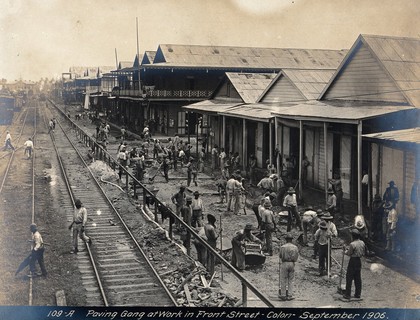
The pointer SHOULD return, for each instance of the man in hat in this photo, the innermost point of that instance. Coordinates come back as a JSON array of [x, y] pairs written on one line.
[[122, 159], [238, 191], [331, 201], [307, 223], [211, 235], [291, 204], [229, 192], [266, 183], [186, 214], [355, 250], [322, 236], [378, 212], [391, 193], [37, 254], [197, 210], [289, 254], [391, 228], [178, 199], [252, 162], [199, 247], [268, 224], [238, 246], [78, 225], [338, 190]]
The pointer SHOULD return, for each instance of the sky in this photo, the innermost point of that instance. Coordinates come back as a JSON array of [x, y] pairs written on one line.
[[40, 39]]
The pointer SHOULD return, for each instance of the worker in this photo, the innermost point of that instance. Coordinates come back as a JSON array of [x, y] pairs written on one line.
[[289, 253], [238, 246], [211, 235], [322, 236], [268, 225], [291, 204]]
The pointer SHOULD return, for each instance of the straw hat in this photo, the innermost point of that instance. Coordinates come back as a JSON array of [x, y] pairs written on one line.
[[327, 216]]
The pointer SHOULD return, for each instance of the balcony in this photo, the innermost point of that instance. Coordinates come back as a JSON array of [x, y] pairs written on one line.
[[163, 94]]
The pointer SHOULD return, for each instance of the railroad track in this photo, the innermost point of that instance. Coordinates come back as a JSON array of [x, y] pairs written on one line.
[[17, 205], [115, 270]]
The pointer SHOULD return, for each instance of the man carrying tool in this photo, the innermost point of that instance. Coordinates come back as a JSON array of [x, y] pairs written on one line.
[[322, 236], [355, 250], [289, 253]]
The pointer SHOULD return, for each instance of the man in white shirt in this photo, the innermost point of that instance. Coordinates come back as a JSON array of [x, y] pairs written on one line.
[[8, 141], [29, 145]]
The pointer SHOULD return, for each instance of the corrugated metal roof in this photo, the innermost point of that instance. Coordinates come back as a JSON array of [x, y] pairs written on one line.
[[248, 57], [255, 111], [401, 58], [406, 135], [211, 106], [250, 85], [338, 111]]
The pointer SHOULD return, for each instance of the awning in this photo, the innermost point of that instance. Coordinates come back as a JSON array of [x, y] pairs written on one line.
[[255, 111], [211, 106], [408, 136], [338, 111]]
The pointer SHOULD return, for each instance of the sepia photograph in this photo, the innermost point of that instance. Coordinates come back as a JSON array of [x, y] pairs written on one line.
[[229, 159]]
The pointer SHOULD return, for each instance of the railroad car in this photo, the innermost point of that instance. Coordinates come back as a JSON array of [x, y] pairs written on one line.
[[7, 105]]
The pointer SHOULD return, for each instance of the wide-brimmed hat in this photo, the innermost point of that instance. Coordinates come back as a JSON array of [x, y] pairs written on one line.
[[274, 176], [196, 193], [391, 182], [77, 202], [291, 190], [319, 212], [189, 199], [309, 208], [267, 204], [248, 226], [33, 227], [327, 216], [211, 218], [323, 225], [330, 190], [288, 236]]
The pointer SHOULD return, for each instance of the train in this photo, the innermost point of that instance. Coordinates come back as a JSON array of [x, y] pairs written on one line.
[[7, 108]]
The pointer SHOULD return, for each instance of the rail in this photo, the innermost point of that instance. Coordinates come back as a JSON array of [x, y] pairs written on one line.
[[104, 156]]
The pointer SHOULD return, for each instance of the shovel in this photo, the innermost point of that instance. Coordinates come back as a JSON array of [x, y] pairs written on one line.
[[339, 289]]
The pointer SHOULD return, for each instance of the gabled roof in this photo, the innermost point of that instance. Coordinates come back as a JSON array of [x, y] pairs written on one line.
[[247, 57], [148, 57], [310, 83], [398, 56], [250, 85], [125, 64]]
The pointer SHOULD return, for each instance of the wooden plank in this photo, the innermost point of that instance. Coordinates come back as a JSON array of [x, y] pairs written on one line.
[[60, 298], [188, 295]]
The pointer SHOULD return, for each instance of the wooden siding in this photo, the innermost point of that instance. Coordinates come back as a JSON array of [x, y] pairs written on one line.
[[228, 91], [410, 175], [282, 91], [374, 156], [363, 78], [345, 164], [309, 152], [321, 160]]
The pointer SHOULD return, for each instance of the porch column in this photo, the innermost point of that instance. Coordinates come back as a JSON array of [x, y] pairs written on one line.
[[359, 168], [300, 156], [326, 161], [270, 141], [222, 145], [244, 145], [276, 141]]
